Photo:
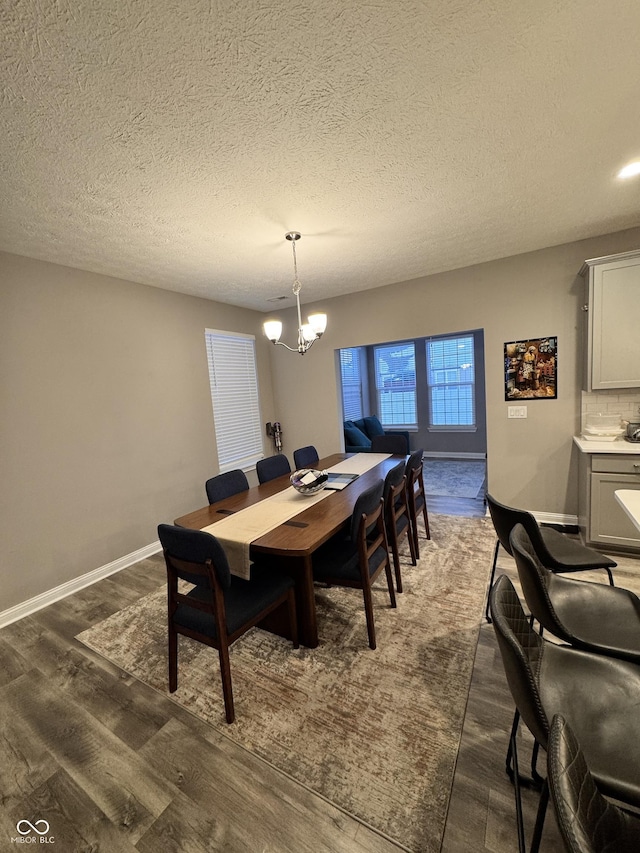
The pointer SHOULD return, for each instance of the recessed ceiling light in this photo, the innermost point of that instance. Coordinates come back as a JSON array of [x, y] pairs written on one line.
[[630, 171]]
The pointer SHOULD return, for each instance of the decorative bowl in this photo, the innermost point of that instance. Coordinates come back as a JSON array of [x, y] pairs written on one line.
[[308, 481], [601, 424]]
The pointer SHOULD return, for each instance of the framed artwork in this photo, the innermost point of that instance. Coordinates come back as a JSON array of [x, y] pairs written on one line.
[[530, 369]]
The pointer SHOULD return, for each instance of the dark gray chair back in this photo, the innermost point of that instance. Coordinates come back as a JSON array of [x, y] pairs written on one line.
[[414, 461], [534, 579], [505, 519], [521, 650], [588, 822], [305, 457], [393, 479], [396, 444], [197, 548], [366, 504], [272, 467], [225, 485]]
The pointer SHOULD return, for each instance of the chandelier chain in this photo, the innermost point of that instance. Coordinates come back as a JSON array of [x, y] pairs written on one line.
[[296, 281]]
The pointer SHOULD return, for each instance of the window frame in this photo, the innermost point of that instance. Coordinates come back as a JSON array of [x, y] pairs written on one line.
[[431, 386], [406, 389]]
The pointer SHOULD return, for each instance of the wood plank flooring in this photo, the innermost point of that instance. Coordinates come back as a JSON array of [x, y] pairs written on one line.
[[114, 766]]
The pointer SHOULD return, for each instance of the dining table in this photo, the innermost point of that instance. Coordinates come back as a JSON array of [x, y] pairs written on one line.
[[290, 545]]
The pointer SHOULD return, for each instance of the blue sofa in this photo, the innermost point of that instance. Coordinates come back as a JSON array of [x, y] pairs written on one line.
[[358, 434]]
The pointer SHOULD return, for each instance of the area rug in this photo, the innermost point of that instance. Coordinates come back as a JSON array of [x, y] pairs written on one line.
[[375, 732], [454, 478]]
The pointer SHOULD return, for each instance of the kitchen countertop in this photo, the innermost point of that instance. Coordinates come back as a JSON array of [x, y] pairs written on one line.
[[629, 500], [617, 446]]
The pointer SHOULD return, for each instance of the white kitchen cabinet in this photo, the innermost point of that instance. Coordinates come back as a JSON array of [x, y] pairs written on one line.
[[613, 311]]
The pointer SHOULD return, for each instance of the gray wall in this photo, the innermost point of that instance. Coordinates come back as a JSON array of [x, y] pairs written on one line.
[[107, 427], [106, 415], [530, 462]]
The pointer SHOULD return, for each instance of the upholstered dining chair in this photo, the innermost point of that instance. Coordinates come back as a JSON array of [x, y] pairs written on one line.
[[357, 559], [396, 514], [271, 467], [598, 694], [594, 617], [225, 485], [305, 457], [416, 496], [557, 552], [396, 444], [220, 607], [588, 822]]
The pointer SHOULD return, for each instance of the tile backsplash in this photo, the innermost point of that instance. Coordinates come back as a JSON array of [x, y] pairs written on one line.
[[625, 403]]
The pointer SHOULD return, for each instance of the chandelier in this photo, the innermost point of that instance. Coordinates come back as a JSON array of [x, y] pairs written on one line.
[[309, 332]]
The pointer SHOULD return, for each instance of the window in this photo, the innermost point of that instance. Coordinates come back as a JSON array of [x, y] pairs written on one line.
[[351, 376], [234, 396], [395, 369], [451, 379]]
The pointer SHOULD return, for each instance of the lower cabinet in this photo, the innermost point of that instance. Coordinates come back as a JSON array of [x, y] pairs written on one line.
[[602, 519]]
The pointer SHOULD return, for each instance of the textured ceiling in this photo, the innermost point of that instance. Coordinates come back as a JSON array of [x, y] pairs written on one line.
[[174, 143]]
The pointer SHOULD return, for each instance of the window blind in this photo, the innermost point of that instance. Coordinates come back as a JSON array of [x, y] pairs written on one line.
[[234, 396], [395, 368], [451, 379], [351, 376]]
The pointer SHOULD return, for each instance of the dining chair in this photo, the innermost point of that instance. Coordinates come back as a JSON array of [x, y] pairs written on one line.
[[396, 444], [598, 694], [357, 559], [271, 467], [305, 457], [416, 496], [225, 485], [595, 617], [588, 822], [396, 513], [555, 550], [220, 607]]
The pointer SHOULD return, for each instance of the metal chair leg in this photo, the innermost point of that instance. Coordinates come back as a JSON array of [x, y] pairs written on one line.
[[513, 750], [493, 574], [533, 781], [542, 812], [520, 782], [537, 778]]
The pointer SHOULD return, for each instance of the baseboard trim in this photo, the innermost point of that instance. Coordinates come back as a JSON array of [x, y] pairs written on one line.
[[560, 519], [556, 518], [32, 605]]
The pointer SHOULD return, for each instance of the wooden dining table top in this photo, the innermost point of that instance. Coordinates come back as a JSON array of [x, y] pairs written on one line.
[[312, 526]]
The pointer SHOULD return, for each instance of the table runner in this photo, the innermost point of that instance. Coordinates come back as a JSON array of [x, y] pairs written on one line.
[[236, 532]]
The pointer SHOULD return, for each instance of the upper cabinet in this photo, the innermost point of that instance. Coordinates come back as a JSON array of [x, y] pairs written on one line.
[[613, 321]]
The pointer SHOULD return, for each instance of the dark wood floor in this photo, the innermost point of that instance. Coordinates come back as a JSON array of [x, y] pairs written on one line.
[[114, 766]]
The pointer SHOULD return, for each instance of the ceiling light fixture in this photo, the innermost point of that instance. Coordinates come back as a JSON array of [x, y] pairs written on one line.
[[630, 171], [308, 333]]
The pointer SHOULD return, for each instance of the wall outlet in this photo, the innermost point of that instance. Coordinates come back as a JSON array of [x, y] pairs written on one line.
[[517, 412]]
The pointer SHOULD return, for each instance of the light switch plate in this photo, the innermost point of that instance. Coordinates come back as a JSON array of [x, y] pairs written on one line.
[[517, 412]]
